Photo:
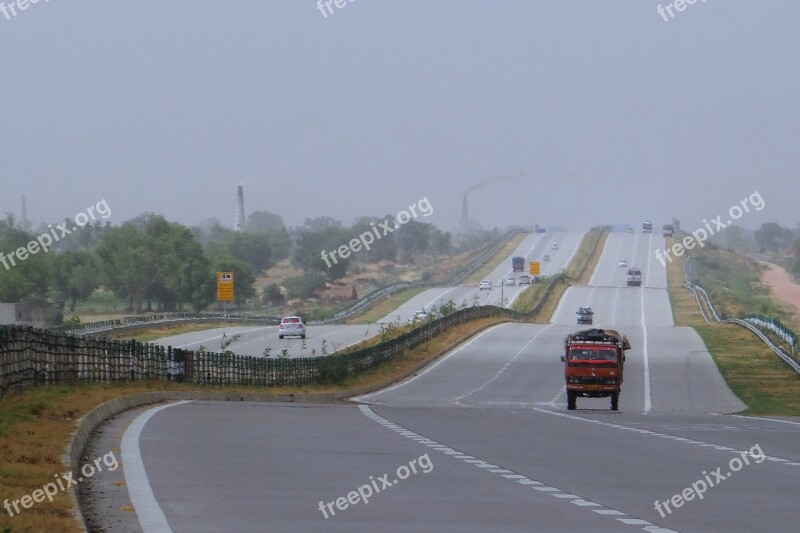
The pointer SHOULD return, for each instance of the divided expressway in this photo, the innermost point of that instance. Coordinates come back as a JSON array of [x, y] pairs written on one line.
[[491, 419]]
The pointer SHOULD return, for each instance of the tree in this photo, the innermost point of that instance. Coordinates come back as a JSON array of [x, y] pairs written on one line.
[[383, 248], [773, 237], [412, 239], [252, 248], [76, 275], [25, 279], [272, 294]]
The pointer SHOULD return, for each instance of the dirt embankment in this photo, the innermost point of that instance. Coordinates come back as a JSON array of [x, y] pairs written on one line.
[[782, 285]]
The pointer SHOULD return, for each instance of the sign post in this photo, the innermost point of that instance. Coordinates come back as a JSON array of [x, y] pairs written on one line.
[[225, 288]]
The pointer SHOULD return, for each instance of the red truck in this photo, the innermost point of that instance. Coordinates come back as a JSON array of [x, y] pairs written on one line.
[[594, 361]]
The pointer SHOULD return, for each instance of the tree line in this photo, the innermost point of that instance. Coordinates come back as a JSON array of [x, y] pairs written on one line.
[[158, 265]]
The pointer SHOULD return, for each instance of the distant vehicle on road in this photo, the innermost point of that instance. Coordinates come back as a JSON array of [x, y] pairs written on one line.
[[524, 279], [518, 264], [634, 277], [668, 230], [630, 229], [622, 263], [292, 326], [546, 258], [647, 227], [510, 281], [554, 246], [485, 284], [420, 316], [594, 362], [585, 315]]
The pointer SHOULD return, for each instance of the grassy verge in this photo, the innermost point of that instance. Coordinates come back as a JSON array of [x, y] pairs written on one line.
[[499, 257], [152, 333], [384, 307], [756, 375], [35, 426]]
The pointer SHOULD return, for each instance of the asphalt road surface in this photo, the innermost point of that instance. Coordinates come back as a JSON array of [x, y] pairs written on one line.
[[326, 339], [491, 422]]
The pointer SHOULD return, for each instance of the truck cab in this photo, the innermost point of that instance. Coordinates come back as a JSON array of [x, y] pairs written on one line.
[[594, 360]]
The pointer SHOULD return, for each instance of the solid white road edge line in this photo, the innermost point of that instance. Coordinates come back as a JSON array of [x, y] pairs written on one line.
[[149, 513]]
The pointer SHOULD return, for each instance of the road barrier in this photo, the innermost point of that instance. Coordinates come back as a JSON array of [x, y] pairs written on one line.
[[753, 322], [31, 357]]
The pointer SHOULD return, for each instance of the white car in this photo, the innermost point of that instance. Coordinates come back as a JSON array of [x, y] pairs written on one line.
[[292, 326], [524, 280], [420, 316], [622, 263], [510, 281], [554, 246], [485, 284]]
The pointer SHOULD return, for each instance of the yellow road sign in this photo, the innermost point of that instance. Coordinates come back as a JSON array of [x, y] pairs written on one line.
[[535, 268], [225, 286]]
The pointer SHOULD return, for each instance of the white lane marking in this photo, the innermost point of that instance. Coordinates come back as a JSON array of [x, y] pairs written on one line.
[[428, 368], [770, 419], [217, 336], [149, 513], [523, 480], [657, 434], [503, 369], [648, 401]]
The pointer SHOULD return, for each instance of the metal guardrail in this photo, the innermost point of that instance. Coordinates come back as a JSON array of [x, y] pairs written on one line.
[[754, 323], [787, 358]]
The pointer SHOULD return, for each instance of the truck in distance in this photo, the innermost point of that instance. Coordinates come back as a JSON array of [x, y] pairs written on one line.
[[668, 230], [518, 264], [634, 278], [594, 360], [647, 227]]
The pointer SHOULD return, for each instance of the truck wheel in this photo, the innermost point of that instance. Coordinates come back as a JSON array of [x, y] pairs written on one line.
[[571, 400], [614, 401]]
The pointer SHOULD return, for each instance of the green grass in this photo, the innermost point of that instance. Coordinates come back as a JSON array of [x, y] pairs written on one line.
[[753, 372]]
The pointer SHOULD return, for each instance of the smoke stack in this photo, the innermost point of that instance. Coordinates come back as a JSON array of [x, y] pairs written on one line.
[[239, 224], [24, 224], [464, 222]]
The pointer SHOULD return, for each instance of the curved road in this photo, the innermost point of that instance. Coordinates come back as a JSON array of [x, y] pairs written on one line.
[[490, 420]]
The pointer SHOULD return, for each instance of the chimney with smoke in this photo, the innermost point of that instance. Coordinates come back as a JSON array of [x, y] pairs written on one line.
[[239, 224]]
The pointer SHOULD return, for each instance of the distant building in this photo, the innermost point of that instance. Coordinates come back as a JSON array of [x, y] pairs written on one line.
[[21, 315]]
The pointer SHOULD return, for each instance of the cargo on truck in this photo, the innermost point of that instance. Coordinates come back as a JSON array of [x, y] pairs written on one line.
[[594, 360]]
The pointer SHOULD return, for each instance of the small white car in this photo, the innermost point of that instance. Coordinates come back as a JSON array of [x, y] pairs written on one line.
[[420, 316], [554, 246], [292, 326], [524, 279], [510, 281], [485, 284], [622, 263]]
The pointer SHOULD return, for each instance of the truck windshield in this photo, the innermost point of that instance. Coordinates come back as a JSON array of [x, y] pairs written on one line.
[[592, 354]]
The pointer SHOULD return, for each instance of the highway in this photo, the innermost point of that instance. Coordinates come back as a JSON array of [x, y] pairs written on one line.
[[326, 339], [506, 455]]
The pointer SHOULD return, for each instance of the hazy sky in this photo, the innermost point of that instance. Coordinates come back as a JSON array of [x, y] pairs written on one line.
[[613, 114]]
